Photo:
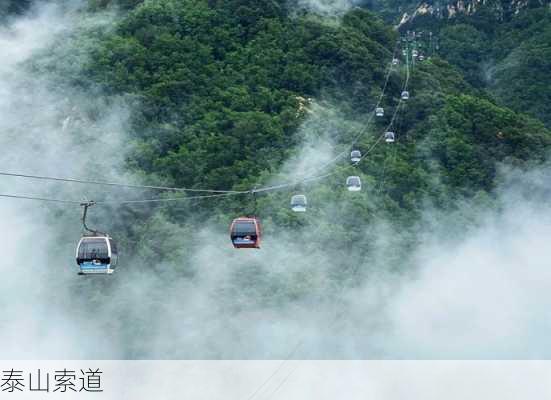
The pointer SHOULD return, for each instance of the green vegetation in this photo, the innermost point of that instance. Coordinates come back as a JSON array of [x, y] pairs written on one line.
[[219, 92], [508, 54], [224, 80]]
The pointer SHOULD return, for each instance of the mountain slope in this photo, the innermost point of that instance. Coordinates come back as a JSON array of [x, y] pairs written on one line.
[[502, 47], [229, 96]]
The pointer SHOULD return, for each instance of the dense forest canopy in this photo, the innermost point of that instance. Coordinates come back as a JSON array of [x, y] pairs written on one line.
[[501, 49], [224, 94], [226, 79]]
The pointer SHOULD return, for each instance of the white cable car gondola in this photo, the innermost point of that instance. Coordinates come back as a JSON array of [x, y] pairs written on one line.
[[421, 57], [379, 111], [96, 252], [390, 137], [405, 95], [299, 203], [355, 156], [395, 61], [96, 255], [414, 53], [354, 183]]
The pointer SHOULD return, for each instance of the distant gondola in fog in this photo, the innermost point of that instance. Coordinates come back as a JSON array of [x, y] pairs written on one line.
[[353, 183], [299, 203]]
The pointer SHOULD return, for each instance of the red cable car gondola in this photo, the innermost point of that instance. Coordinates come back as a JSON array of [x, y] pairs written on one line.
[[245, 233]]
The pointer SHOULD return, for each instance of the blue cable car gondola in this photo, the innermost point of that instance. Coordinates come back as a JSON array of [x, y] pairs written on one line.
[[96, 255], [96, 252]]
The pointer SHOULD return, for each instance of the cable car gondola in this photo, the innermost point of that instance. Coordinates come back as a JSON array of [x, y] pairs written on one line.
[[245, 233], [355, 156], [96, 251], [405, 95], [395, 61], [299, 203], [354, 183], [389, 137], [379, 112], [96, 254]]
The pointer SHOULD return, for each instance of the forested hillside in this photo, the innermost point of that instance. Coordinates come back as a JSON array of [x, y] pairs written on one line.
[[221, 90], [228, 95], [500, 46]]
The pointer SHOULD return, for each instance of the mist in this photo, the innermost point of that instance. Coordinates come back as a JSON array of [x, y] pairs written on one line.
[[47, 130], [330, 8], [467, 293]]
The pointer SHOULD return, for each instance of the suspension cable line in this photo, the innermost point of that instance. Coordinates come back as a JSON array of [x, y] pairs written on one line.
[[106, 183], [21, 197], [367, 125], [297, 347], [220, 193], [312, 176], [121, 202]]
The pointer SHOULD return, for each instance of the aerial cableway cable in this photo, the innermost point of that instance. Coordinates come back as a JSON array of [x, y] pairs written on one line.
[[300, 342], [21, 197], [367, 124], [215, 193], [312, 176], [370, 149], [124, 185], [143, 201]]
